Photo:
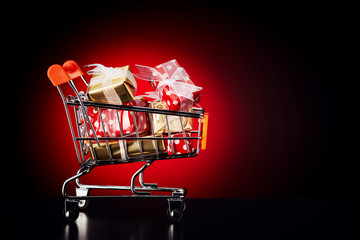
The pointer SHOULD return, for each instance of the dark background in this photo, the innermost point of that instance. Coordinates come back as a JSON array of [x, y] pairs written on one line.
[[277, 81]]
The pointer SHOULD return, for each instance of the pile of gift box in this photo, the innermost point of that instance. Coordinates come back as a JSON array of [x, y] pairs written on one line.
[[173, 90]]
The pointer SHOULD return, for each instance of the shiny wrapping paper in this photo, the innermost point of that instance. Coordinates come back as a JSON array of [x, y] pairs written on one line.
[[169, 67], [180, 146], [132, 146], [122, 86], [159, 121], [172, 85], [111, 124]]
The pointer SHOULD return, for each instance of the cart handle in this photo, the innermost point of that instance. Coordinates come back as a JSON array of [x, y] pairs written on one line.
[[204, 121], [72, 69], [57, 75]]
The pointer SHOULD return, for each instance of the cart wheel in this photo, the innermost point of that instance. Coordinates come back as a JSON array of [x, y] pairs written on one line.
[[175, 215], [70, 215], [83, 204], [176, 209]]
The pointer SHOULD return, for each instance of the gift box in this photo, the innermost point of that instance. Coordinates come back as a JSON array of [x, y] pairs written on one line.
[[159, 121], [111, 124], [169, 69], [171, 84], [94, 116], [175, 102], [117, 149], [180, 146], [141, 118], [111, 85]]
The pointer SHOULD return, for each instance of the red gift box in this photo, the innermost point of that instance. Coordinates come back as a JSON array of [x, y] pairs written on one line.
[[179, 145], [94, 117], [175, 102], [110, 120], [171, 84], [168, 69], [142, 119]]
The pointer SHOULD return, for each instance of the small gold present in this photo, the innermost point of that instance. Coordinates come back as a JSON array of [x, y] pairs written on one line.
[[159, 121], [111, 85], [117, 149]]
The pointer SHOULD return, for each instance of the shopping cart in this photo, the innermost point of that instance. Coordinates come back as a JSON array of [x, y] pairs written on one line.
[[76, 108]]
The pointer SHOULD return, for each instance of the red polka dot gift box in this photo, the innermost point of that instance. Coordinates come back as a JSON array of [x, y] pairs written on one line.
[[180, 146], [110, 122], [172, 85]]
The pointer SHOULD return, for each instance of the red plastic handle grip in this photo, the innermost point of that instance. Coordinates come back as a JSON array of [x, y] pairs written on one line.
[[72, 69], [57, 75]]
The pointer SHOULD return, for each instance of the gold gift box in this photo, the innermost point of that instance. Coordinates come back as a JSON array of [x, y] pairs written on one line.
[[159, 121], [123, 87], [132, 147]]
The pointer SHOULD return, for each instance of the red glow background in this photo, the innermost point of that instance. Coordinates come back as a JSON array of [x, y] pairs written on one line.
[[276, 125]]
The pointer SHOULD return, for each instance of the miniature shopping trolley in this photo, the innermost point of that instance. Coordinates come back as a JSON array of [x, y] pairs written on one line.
[[93, 150]]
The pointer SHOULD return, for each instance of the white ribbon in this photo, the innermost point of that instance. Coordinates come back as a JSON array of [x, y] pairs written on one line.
[[176, 81], [122, 148], [105, 76]]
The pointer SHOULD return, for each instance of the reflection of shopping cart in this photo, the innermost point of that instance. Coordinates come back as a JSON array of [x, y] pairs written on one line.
[[116, 149]]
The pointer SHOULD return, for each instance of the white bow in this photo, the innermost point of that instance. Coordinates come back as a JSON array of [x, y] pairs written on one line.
[[175, 78]]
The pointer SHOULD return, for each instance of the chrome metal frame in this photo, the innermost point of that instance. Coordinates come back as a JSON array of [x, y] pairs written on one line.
[[79, 104]]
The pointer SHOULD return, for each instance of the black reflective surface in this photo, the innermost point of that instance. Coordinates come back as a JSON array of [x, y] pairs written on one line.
[[40, 218]]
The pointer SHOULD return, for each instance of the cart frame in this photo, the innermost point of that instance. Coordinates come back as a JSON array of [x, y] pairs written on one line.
[[79, 104]]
